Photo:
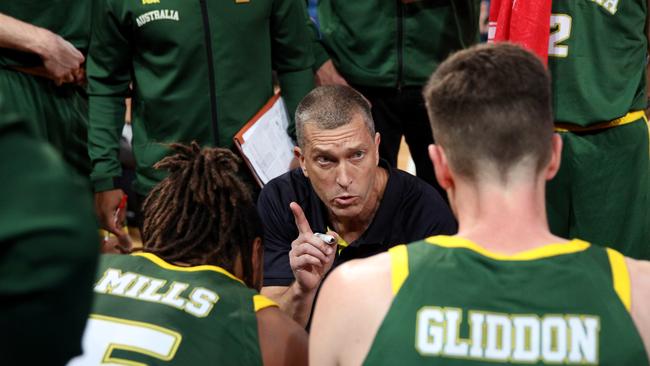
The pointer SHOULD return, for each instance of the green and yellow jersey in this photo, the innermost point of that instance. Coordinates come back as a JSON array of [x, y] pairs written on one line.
[[597, 58], [459, 304], [147, 311]]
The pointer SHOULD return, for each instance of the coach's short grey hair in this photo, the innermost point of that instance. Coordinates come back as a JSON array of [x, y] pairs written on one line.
[[329, 107]]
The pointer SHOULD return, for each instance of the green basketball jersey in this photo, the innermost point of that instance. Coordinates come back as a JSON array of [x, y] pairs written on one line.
[[147, 311], [459, 304], [597, 59]]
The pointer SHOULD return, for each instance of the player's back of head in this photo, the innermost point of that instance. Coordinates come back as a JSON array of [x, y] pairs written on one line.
[[187, 297], [490, 109], [202, 213]]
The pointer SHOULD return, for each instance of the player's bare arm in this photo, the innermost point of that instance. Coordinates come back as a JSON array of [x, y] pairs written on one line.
[[61, 61], [363, 289], [282, 341], [640, 287], [310, 259]]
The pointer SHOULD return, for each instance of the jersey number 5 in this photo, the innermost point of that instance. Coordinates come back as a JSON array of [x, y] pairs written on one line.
[[107, 334], [560, 32]]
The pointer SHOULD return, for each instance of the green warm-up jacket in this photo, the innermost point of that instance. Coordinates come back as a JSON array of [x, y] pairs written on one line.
[[200, 69], [389, 43]]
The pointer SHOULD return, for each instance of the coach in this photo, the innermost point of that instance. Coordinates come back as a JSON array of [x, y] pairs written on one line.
[[342, 187]]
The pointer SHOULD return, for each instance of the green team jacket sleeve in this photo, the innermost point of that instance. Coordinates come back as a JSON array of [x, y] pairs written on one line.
[[109, 62], [49, 248], [292, 55]]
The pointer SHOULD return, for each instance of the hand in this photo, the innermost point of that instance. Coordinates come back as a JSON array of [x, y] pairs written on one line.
[[310, 258], [106, 204], [62, 62], [328, 75]]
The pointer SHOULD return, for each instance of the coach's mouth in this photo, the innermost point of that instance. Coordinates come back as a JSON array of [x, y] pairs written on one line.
[[345, 200]]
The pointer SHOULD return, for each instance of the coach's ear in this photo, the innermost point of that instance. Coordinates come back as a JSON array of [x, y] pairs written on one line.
[[556, 157], [441, 166], [299, 155]]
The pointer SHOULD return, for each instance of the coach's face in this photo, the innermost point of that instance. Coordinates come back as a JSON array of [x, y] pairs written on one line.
[[341, 165]]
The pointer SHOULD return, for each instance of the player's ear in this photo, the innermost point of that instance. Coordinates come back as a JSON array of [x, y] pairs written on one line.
[[556, 157], [441, 166], [257, 259]]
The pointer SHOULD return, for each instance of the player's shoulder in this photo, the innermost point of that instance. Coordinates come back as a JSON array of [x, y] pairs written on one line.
[[639, 271], [363, 288], [358, 278]]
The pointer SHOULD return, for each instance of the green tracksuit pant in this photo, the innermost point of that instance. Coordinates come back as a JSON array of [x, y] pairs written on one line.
[[60, 113], [602, 191]]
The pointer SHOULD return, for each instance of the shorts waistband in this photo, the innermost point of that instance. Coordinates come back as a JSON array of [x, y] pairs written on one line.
[[632, 116]]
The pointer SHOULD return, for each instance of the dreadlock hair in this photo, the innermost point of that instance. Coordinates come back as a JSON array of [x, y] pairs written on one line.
[[202, 213]]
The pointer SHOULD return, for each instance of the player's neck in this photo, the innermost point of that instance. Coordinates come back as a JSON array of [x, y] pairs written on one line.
[[504, 219]]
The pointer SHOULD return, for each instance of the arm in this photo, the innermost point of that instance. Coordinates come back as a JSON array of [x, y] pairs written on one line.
[[363, 289], [109, 64], [640, 288], [293, 300], [61, 61], [292, 57], [309, 259], [282, 341]]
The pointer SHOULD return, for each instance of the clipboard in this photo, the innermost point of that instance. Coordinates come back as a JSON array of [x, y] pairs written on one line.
[[264, 143]]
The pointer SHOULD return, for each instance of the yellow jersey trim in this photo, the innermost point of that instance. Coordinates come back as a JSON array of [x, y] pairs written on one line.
[[262, 302], [545, 251], [399, 266], [628, 118], [206, 267], [621, 277]]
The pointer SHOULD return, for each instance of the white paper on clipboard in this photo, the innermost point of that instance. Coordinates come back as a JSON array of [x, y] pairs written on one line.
[[264, 142]]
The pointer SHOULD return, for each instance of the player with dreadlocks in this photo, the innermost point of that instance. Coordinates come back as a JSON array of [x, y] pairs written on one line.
[[184, 298]]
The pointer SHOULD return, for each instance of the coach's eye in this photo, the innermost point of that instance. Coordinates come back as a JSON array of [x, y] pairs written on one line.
[[358, 155], [323, 160]]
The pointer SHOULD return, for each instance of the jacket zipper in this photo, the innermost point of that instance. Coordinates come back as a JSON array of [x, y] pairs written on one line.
[[211, 78], [400, 44]]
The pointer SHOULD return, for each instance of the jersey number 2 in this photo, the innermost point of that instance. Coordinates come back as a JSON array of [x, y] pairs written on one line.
[[560, 32], [106, 334]]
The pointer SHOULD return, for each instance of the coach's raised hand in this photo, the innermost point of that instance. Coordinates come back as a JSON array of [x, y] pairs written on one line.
[[310, 257]]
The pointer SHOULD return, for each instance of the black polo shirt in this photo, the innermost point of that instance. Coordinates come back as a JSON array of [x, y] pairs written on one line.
[[410, 210]]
